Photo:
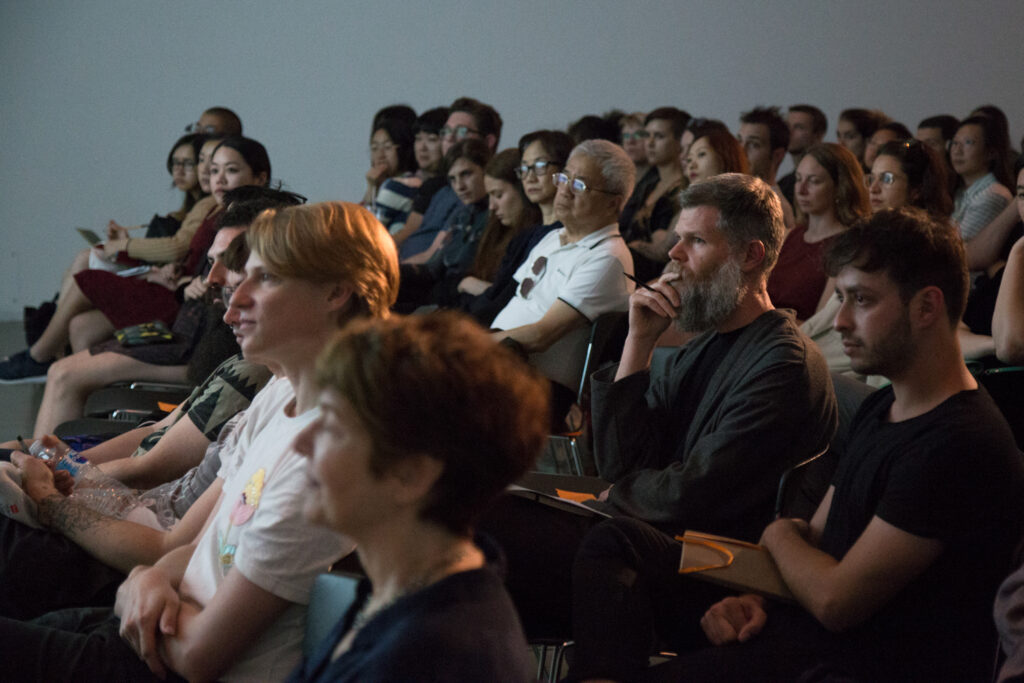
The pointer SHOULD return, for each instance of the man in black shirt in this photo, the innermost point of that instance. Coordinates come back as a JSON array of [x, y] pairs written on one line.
[[896, 571]]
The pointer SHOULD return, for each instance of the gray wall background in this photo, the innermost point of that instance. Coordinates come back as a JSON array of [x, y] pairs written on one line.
[[94, 93]]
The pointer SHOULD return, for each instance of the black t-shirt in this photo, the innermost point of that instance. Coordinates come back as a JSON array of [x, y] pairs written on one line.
[[955, 475], [428, 188]]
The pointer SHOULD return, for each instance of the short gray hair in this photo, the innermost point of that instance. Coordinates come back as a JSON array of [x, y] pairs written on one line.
[[748, 210], [617, 170]]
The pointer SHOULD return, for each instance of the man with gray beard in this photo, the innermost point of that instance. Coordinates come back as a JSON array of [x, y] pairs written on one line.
[[703, 445]]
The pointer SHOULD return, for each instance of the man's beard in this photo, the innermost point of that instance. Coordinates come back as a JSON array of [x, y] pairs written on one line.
[[706, 302]]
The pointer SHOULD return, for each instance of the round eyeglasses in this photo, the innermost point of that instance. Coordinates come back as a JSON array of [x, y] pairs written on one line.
[[887, 178]]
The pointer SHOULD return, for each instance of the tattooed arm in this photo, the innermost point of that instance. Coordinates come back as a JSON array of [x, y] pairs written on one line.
[[118, 543]]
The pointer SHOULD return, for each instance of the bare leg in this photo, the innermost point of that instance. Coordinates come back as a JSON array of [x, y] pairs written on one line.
[[87, 329], [55, 336], [70, 381]]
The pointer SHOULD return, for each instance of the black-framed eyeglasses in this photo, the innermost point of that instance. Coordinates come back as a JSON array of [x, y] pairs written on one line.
[[185, 164], [537, 167], [459, 132], [208, 129], [640, 134], [576, 185], [886, 178], [538, 268]]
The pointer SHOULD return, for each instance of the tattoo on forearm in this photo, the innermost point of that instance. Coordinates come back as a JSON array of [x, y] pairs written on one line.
[[63, 514]]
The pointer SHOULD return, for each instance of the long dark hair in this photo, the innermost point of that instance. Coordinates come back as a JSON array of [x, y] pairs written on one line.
[[496, 237], [927, 178]]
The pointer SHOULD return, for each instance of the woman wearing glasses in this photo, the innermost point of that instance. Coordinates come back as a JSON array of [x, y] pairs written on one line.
[[646, 219], [830, 197], [542, 153], [979, 154], [391, 156]]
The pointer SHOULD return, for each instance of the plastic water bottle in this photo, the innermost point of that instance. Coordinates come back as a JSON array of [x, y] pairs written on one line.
[[93, 488]]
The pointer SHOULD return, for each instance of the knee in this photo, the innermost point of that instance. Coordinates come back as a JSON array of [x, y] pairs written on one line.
[[62, 372]]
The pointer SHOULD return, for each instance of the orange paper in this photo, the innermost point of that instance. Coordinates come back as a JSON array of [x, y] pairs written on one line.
[[575, 496]]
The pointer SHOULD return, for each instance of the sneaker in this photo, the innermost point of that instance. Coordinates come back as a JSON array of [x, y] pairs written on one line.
[[22, 368]]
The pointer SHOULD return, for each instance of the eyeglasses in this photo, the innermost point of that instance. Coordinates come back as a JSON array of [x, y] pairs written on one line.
[[459, 132], [887, 178], [382, 147], [576, 184], [196, 128], [537, 167], [538, 268], [186, 164], [635, 135]]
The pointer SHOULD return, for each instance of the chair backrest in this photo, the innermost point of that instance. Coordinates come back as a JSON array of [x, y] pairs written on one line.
[[607, 337], [1006, 387], [331, 597], [790, 484]]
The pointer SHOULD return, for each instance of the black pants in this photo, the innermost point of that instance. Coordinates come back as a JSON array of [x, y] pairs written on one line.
[[69, 645], [41, 571]]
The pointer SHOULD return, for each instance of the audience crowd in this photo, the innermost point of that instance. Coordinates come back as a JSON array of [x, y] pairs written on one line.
[[801, 373]]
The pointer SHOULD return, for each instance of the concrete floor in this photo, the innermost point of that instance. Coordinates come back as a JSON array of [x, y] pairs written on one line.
[[18, 402]]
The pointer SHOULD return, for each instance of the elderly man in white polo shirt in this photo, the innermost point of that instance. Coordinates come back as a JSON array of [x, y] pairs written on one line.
[[575, 274]]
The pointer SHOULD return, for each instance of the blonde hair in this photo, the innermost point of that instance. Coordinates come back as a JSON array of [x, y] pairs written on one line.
[[330, 242]]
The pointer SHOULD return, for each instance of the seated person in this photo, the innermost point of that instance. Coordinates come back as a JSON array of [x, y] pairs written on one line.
[[937, 131], [219, 121], [713, 150], [431, 277], [703, 445], [764, 136], [646, 218], [891, 131], [979, 154], [396, 482], [543, 153], [399, 196], [856, 126], [830, 197], [247, 559], [72, 378], [467, 118], [125, 301], [807, 126], [577, 273], [510, 215], [391, 156], [633, 137], [929, 496], [1008, 318]]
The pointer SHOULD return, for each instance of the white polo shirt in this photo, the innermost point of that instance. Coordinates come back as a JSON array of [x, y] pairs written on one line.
[[586, 274]]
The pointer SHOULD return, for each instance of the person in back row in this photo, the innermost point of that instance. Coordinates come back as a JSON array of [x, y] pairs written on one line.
[[467, 118], [896, 572], [765, 139], [807, 127]]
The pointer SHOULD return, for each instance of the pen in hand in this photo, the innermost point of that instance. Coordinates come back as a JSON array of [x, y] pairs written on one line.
[[639, 283]]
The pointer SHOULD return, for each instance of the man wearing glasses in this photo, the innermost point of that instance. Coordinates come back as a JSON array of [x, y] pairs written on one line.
[[577, 273], [467, 118]]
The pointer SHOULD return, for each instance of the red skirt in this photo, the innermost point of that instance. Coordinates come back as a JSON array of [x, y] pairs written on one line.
[[127, 300]]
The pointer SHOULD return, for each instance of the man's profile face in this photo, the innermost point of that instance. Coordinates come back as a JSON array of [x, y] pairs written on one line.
[[874, 322], [801, 131], [710, 283], [932, 136], [754, 138]]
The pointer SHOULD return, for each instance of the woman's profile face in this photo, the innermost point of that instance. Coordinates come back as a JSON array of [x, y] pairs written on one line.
[[539, 189], [183, 168], [427, 149], [967, 151], [383, 152], [702, 161], [887, 195], [505, 203], [341, 488], [229, 170], [203, 164], [815, 191]]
